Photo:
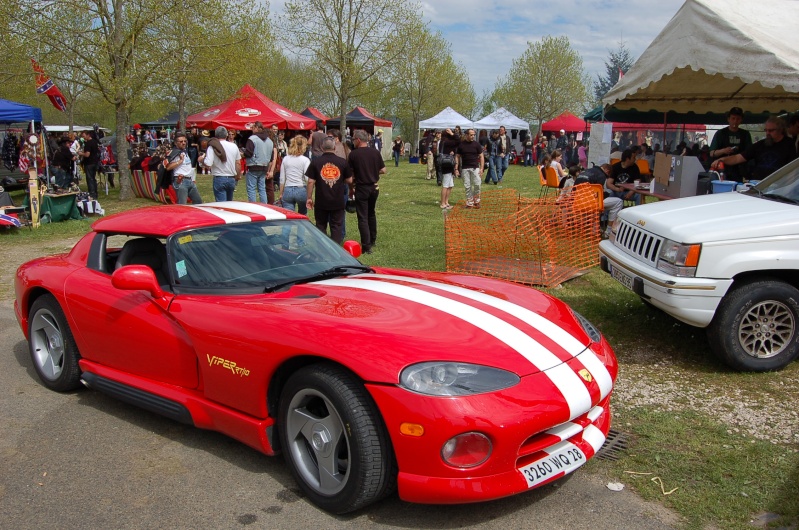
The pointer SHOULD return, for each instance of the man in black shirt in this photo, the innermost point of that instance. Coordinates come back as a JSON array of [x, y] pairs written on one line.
[[330, 175], [469, 163], [91, 160], [62, 164], [600, 175], [367, 166], [731, 140], [625, 172], [769, 154]]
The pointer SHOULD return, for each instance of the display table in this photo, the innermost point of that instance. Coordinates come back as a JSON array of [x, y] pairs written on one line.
[[60, 207], [644, 192]]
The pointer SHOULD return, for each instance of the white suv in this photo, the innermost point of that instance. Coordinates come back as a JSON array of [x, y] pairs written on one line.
[[727, 262]]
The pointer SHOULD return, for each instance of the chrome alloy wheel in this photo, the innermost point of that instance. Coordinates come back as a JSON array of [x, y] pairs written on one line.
[[766, 329], [47, 343]]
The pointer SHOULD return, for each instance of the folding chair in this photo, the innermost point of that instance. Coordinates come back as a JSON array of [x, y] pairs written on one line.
[[551, 181], [643, 167]]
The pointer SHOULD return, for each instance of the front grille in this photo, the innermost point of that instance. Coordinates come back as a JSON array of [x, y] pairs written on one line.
[[639, 243]]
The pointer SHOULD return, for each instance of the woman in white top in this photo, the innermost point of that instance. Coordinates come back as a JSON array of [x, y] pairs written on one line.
[[557, 161], [292, 176]]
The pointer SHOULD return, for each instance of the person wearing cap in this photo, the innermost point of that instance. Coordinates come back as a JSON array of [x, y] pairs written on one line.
[[768, 155], [563, 141], [731, 140], [223, 158]]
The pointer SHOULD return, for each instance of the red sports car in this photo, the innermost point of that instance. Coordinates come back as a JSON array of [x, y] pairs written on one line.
[[246, 319]]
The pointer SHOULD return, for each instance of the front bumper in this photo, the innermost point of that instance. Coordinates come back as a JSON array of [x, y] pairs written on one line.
[[527, 430], [690, 300]]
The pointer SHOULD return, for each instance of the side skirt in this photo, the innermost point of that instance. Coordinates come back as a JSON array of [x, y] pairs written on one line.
[[189, 406], [134, 396]]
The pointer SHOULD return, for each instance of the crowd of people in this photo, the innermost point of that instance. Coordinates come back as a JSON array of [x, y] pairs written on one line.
[[453, 153], [298, 170]]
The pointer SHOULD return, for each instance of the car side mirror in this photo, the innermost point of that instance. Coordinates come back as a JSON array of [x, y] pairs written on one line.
[[353, 248], [137, 278]]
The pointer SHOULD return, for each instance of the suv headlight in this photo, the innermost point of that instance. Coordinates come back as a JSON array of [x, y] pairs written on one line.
[[455, 379], [679, 259]]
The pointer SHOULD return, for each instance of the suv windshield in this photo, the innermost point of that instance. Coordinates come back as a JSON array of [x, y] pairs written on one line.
[[253, 257], [782, 184]]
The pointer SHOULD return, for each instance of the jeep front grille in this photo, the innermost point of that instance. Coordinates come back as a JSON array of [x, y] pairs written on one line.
[[638, 243]]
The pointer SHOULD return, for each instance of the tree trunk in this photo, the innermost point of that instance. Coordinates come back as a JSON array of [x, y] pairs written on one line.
[[125, 188]]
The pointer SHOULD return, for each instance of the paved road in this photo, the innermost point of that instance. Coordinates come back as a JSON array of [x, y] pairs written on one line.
[[86, 460]]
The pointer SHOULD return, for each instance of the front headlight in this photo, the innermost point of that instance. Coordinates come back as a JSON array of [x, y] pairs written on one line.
[[455, 379], [678, 259]]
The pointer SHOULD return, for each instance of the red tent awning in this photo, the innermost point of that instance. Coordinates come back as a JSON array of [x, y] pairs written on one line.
[[316, 114], [567, 122], [247, 107], [361, 118]]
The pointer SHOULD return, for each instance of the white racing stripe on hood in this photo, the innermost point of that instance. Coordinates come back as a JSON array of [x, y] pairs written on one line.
[[250, 207], [228, 217], [563, 338], [562, 376]]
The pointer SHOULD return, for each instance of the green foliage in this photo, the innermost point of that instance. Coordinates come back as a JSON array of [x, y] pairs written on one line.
[[618, 60], [347, 41], [427, 80], [545, 80]]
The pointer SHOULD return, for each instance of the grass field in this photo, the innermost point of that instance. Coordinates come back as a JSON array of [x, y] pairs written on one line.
[[717, 436]]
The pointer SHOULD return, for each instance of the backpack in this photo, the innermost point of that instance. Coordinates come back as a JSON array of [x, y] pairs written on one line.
[[446, 163]]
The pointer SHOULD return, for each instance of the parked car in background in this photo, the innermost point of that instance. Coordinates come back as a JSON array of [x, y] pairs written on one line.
[[246, 319], [725, 262]]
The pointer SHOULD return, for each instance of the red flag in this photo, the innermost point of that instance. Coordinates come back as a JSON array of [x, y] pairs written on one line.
[[45, 85], [621, 74]]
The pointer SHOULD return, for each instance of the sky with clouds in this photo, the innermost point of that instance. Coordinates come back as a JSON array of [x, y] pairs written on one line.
[[486, 35]]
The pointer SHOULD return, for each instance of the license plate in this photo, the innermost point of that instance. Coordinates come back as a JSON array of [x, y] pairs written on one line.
[[622, 278], [563, 458]]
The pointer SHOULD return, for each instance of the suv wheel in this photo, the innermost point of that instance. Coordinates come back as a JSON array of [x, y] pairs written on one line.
[[755, 326]]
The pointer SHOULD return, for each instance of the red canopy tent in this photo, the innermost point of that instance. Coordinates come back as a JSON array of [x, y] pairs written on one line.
[[566, 121], [359, 118], [246, 107], [314, 113]]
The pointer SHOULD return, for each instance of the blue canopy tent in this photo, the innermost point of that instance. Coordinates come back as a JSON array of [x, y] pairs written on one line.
[[12, 112]]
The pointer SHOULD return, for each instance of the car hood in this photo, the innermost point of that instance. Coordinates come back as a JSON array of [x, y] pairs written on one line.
[[716, 217], [381, 323]]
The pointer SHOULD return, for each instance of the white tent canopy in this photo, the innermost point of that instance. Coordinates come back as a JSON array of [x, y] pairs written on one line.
[[447, 118], [716, 54], [501, 117], [76, 128]]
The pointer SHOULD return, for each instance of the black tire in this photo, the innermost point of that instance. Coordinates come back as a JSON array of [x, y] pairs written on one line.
[[755, 326], [52, 347], [328, 422]]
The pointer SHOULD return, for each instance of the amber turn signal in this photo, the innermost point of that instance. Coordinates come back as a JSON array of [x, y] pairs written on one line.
[[411, 429]]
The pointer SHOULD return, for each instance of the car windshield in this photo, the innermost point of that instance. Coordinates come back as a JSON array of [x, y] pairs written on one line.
[[254, 257], [782, 185]]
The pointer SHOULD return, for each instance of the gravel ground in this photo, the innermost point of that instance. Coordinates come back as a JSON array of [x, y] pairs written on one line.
[[764, 408]]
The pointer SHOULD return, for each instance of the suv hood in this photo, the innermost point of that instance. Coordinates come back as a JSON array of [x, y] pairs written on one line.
[[717, 217]]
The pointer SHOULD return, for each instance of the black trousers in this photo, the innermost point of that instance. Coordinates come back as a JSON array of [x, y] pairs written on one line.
[[333, 218], [365, 202], [91, 179]]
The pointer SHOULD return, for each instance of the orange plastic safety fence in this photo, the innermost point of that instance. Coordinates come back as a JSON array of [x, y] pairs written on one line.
[[531, 241]]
